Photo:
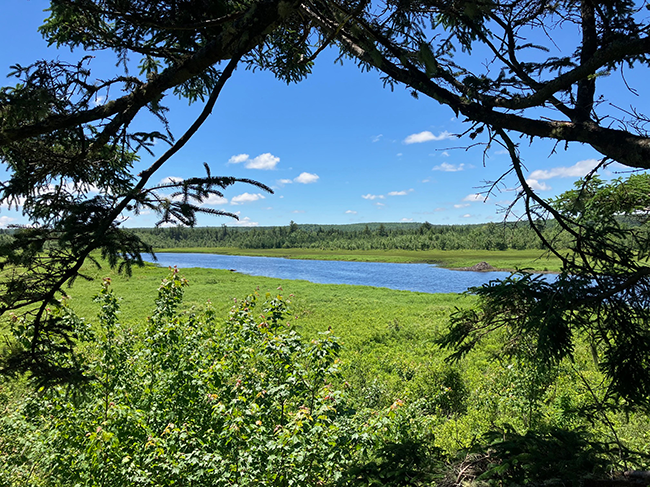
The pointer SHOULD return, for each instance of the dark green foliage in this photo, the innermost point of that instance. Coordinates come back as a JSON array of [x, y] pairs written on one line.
[[534, 458], [403, 464], [164, 33], [444, 392], [602, 294], [70, 161]]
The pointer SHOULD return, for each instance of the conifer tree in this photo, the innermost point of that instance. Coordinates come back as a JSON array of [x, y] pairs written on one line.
[[70, 162]]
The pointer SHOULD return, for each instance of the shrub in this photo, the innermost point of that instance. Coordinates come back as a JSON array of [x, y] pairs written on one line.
[[187, 400]]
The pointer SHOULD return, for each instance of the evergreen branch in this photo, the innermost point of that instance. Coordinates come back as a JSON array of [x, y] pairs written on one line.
[[256, 23]]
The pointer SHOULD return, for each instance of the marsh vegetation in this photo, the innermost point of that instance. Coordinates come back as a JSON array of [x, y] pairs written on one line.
[[217, 378]]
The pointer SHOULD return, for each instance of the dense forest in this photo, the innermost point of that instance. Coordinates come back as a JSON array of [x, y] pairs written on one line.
[[371, 236]]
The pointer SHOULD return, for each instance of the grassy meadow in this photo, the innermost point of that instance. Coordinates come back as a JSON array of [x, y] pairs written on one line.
[[222, 391], [381, 330], [389, 352]]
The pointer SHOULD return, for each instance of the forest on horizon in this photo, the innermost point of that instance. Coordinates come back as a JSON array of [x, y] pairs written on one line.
[[358, 236]]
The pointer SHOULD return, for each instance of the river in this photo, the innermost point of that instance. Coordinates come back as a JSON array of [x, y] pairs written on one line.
[[425, 278]]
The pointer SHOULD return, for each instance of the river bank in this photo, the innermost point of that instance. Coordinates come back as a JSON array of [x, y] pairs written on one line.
[[427, 278], [500, 260]]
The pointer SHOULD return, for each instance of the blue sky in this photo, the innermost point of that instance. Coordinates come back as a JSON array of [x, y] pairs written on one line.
[[338, 147]]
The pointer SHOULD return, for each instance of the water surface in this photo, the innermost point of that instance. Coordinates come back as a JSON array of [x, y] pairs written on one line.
[[424, 278]]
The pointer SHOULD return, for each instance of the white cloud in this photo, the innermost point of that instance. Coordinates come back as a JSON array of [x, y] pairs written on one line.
[[399, 154], [461, 205], [372, 196], [537, 186], [14, 205], [578, 170], [282, 182], [5, 221], [246, 198], [426, 180], [446, 167], [445, 153], [380, 204], [264, 161], [400, 193], [98, 100], [214, 200], [467, 215], [298, 211], [351, 212], [171, 180], [238, 158], [427, 136], [306, 178], [406, 220], [377, 138], [246, 222], [475, 197]]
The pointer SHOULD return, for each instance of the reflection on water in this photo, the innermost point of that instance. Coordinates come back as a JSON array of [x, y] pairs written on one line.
[[424, 278]]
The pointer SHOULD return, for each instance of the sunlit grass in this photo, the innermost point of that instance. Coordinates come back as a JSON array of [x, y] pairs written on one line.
[[389, 341], [317, 306], [380, 329]]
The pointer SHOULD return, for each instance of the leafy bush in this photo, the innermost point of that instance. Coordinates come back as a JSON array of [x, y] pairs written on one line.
[[193, 399], [403, 453], [187, 401]]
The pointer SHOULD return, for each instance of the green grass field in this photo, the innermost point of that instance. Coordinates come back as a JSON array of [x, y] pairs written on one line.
[[389, 350], [382, 329], [362, 309], [390, 354], [384, 332], [502, 260]]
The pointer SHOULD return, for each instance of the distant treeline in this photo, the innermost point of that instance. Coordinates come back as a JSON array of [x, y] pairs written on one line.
[[371, 236]]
